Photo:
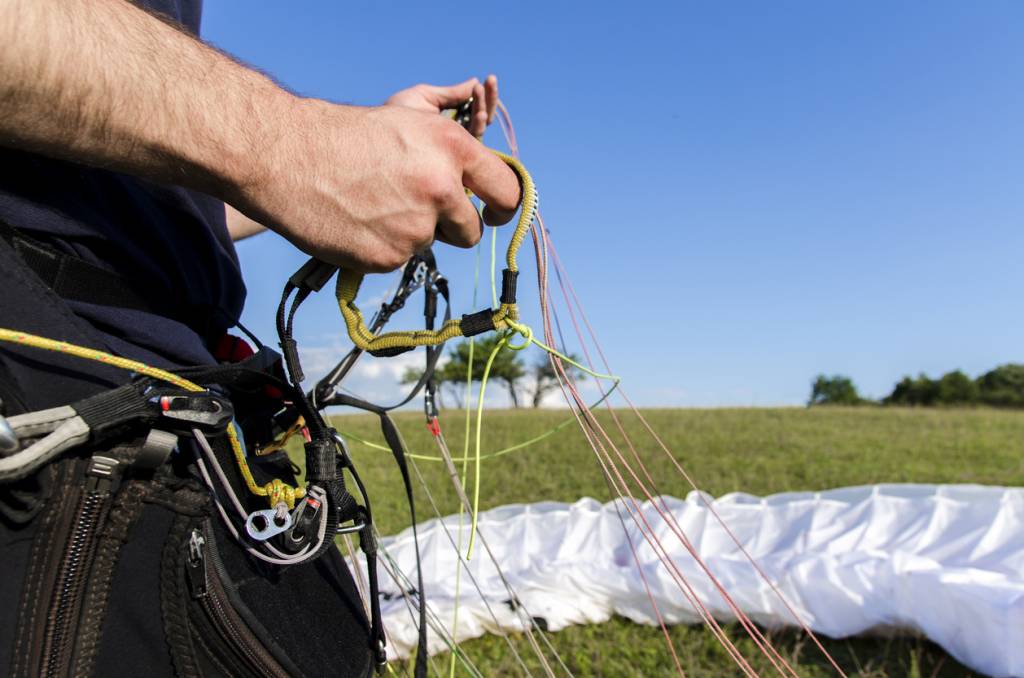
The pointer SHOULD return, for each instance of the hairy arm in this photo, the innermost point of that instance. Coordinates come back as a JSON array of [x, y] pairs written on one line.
[[429, 98], [103, 83]]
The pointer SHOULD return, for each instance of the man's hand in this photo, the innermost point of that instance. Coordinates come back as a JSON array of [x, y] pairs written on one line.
[[361, 187], [428, 99], [369, 187]]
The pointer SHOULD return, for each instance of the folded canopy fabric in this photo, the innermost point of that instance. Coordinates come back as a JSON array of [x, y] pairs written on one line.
[[943, 560]]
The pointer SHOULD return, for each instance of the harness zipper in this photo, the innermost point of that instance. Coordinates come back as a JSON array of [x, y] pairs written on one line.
[[206, 577], [61, 628]]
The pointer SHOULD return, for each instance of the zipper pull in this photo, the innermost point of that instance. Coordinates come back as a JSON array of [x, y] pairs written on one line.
[[101, 473], [195, 564]]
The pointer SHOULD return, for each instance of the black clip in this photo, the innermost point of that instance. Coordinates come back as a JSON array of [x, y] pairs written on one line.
[[184, 411], [313, 275], [304, 519], [464, 113]]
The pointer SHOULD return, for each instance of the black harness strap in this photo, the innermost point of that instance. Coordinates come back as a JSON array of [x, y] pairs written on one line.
[[326, 394], [394, 441], [72, 278], [324, 464], [30, 305]]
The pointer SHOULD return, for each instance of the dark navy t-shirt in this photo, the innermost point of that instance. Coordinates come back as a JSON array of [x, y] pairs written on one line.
[[169, 243]]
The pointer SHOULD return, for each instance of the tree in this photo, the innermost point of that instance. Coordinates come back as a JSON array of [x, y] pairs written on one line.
[[920, 391], [1003, 386], [956, 388], [507, 367], [834, 390], [545, 379]]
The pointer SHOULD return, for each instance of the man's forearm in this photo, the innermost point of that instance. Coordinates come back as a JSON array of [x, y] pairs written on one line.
[[104, 83]]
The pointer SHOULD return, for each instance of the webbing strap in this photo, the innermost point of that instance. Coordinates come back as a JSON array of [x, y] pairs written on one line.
[[95, 419], [394, 441], [66, 435], [324, 466], [73, 278], [111, 412], [326, 394]]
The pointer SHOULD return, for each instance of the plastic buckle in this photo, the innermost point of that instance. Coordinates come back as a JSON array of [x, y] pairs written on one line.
[[203, 410], [304, 517]]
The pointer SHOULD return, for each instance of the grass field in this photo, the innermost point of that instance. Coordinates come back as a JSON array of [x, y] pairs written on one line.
[[760, 451]]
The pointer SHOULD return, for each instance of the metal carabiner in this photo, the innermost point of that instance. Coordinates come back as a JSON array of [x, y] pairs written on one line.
[[353, 528]]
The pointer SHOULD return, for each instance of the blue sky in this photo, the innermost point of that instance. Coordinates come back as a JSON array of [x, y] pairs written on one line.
[[745, 194]]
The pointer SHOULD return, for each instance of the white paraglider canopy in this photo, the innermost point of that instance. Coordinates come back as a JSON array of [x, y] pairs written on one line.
[[943, 560]]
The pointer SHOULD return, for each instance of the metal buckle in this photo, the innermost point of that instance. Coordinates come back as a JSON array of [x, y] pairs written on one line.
[[353, 528], [268, 523]]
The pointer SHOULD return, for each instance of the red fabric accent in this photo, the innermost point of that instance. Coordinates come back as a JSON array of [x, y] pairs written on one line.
[[232, 349]]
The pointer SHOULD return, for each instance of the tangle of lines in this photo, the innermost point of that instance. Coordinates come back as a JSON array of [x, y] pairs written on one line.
[[628, 479]]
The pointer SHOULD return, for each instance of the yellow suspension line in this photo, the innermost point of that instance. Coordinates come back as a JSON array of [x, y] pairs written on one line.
[[276, 490]]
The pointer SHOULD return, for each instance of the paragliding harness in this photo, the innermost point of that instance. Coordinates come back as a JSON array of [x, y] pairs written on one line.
[[124, 486], [120, 447], [167, 489]]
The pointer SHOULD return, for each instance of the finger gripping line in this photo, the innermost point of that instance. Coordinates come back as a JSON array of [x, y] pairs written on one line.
[[508, 312]]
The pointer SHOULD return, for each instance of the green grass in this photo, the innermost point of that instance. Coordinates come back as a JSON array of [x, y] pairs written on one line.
[[760, 451]]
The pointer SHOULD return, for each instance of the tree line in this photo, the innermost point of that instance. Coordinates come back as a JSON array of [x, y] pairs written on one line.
[[1000, 387], [520, 379]]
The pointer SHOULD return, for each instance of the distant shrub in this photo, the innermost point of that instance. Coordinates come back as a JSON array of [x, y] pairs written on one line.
[[956, 388], [834, 390], [919, 391], [1001, 387]]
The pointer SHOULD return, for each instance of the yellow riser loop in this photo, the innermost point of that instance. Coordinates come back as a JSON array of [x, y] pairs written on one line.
[[349, 282]]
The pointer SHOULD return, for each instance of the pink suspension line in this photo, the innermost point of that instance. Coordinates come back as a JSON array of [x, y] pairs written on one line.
[[544, 248]]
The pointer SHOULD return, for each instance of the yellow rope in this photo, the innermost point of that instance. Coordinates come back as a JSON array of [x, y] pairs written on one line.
[[281, 441], [276, 490], [479, 428], [349, 281]]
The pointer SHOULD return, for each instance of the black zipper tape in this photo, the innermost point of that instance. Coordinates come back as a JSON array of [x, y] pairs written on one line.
[[72, 577]]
